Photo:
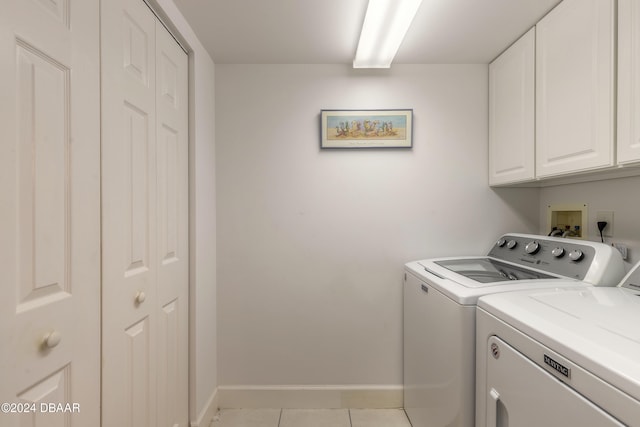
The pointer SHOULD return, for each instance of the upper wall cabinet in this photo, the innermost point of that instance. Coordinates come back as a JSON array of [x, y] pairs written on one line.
[[575, 88], [511, 113], [628, 81]]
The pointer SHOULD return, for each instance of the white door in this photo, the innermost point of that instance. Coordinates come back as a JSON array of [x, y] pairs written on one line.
[[50, 212], [129, 270], [511, 113], [145, 247], [575, 87], [628, 82], [172, 235]]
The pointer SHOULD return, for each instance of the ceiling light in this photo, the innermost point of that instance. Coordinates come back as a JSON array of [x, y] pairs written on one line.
[[384, 28]]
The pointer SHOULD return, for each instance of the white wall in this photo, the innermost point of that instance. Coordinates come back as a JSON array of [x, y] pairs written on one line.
[[202, 291], [311, 242], [617, 195]]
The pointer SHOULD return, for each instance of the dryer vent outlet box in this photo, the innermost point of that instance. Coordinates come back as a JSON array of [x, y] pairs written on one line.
[[567, 220]]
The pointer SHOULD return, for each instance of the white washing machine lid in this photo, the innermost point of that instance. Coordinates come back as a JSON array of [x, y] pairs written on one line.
[[597, 328], [466, 291]]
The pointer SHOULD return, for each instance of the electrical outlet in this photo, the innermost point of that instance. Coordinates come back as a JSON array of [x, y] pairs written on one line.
[[606, 216]]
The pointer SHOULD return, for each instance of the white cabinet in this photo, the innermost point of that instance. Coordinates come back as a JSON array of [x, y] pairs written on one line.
[[575, 88], [628, 82], [511, 113]]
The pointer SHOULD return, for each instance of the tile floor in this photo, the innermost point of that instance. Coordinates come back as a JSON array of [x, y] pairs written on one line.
[[311, 418]]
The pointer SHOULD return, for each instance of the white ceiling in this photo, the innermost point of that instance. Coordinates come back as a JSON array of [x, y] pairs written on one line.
[[327, 31]]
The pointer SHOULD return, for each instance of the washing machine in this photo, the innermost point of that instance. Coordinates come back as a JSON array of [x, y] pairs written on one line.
[[440, 297], [560, 357]]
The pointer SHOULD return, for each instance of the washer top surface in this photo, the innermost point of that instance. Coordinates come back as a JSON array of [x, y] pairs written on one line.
[[597, 328], [488, 270], [466, 291], [519, 262]]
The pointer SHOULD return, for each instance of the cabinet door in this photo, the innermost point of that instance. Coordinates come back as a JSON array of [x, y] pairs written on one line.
[[511, 113], [628, 81], [574, 87]]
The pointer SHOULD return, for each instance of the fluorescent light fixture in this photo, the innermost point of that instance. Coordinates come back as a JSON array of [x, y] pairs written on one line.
[[384, 28]]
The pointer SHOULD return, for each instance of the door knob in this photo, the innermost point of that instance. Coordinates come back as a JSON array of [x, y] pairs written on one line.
[[140, 297], [51, 339]]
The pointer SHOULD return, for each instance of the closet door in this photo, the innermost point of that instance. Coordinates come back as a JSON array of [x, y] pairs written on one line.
[[145, 228], [129, 266], [172, 219], [50, 213]]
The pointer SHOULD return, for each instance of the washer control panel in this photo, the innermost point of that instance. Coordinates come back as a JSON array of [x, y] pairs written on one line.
[[562, 257]]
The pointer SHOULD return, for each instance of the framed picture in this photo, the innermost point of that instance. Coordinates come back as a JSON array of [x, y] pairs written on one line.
[[366, 128]]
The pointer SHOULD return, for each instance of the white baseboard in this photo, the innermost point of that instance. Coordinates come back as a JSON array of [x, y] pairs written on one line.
[[205, 418], [311, 397]]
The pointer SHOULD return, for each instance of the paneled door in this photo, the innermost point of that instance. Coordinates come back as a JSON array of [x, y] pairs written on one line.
[[144, 214], [50, 213], [172, 229]]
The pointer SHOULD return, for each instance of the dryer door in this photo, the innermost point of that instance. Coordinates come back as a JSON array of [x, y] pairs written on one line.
[[524, 395]]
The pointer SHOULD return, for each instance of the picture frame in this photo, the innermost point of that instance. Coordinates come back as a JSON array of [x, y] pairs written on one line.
[[391, 128]]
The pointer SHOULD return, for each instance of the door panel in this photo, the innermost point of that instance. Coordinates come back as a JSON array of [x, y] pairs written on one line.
[[128, 220], [173, 202], [43, 215], [50, 220], [138, 397], [170, 373], [145, 220], [54, 388]]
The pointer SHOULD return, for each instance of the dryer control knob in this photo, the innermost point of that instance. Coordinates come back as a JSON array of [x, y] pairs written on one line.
[[500, 243], [557, 252], [511, 244], [576, 255], [532, 247]]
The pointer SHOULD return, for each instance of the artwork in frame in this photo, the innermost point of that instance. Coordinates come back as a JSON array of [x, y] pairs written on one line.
[[366, 128]]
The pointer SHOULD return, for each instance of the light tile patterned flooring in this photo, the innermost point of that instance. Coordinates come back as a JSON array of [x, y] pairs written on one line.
[[311, 418]]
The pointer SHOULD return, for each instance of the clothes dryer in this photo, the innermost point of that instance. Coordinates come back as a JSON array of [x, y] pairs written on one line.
[[560, 357]]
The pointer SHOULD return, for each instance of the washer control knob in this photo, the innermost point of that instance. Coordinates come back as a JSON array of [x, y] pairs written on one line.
[[511, 244], [558, 252], [500, 243], [576, 255], [532, 247]]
